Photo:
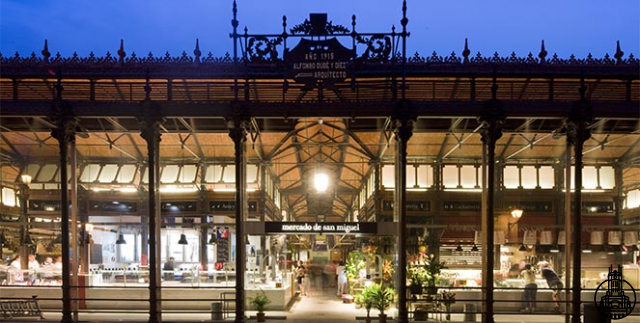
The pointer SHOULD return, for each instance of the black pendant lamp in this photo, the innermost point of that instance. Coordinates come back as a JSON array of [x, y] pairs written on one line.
[[474, 248], [121, 239], [522, 248], [459, 248], [214, 239], [183, 239]]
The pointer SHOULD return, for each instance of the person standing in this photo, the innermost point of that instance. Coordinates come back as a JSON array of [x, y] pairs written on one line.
[[530, 289], [554, 283], [300, 272], [169, 267]]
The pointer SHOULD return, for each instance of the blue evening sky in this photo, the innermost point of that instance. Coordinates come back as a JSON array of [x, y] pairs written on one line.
[[568, 27]]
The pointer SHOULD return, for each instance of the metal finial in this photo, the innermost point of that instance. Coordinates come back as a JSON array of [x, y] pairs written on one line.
[[466, 51], [404, 20], [197, 51], [353, 22], [234, 21], [619, 53], [284, 22], [543, 53], [45, 52], [121, 52]]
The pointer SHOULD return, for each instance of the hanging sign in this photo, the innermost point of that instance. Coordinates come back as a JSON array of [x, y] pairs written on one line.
[[615, 238], [321, 227], [319, 61], [546, 238], [230, 206], [462, 205], [530, 238], [425, 206], [597, 238]]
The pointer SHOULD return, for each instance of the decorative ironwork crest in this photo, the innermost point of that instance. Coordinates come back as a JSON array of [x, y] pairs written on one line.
[[307, 28]]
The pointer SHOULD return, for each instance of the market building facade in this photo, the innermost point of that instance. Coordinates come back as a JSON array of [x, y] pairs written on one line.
[[322, 144]]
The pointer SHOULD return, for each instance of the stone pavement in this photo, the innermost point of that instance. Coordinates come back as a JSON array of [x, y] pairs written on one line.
[[318, 307]]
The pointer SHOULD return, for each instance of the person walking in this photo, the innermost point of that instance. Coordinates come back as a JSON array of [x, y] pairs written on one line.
[[530, 289], [553, 281]]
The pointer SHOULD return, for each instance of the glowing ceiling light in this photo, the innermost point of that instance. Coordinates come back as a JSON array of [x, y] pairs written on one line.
[[321, 182]]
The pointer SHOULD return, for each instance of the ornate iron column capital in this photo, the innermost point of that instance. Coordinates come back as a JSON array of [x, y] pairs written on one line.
[[150, 120], [403, 118], [492, 118], [63, 117], [577, 124], [238, 122]]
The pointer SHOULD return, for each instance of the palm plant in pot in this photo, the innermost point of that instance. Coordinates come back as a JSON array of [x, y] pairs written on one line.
[[260, 303], [366, 299], [382, 298]]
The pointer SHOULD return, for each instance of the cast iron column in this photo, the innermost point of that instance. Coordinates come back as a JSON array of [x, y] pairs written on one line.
[[491, 119], [578, 132], [150, 120], [238, 124], [403, 119], [24, 226], [65, 131]]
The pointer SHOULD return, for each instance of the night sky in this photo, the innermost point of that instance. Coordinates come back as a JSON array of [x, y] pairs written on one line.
[[568, 27]]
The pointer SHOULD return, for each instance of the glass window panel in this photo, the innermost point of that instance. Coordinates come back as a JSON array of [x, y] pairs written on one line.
[[145, 175], [425, 176], [252, 173], [229, 175], [188, 174], [607, 177], [32, 169], [468, 174], [510, 177], [529, 177], [108, 173], [127, 173], [573, 177], [127, 250], [633, 199], [57, 174], [8, 197], [589, 177], [546, 177], [46, 173], [450, 176], [169, 174], [411, 175], [388, 176]]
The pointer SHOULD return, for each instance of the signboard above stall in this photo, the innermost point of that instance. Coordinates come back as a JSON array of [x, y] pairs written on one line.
[[321, 227]]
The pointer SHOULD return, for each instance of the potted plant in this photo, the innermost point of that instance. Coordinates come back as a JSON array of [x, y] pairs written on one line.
[[366, 299], [260, 303], [417, 277], [433, 268], [382, 298]]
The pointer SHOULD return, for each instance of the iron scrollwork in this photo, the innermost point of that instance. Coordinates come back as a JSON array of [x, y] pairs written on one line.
[[378, 47], [261, 48]]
